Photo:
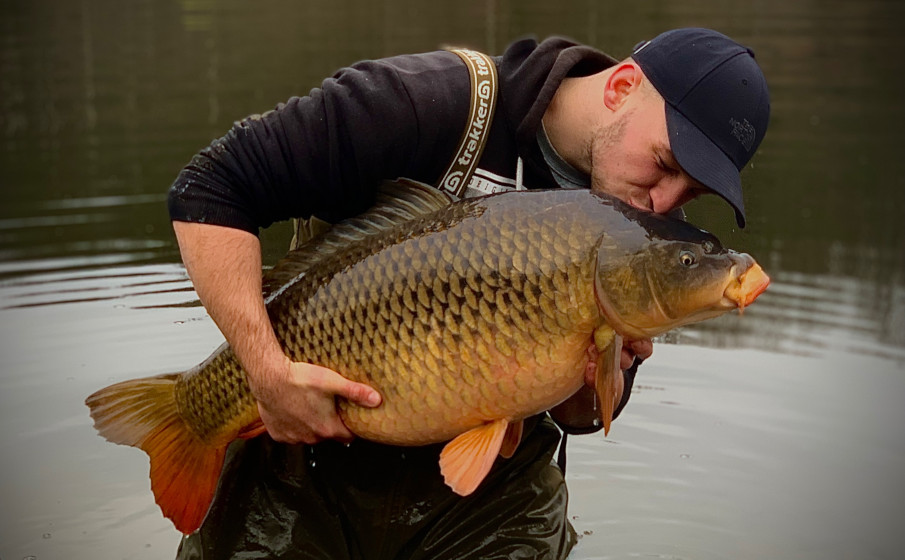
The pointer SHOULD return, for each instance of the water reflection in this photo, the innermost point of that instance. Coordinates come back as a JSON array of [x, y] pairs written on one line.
[[164, 286], [808, 314], [102, 102], [705, 422]]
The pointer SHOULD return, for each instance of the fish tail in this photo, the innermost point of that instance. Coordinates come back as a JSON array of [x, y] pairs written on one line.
[[184, 470]]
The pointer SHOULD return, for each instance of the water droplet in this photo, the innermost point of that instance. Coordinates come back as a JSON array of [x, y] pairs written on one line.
[[312, 463], [684, 456], [29, 558], [46, 535], [596, 422]]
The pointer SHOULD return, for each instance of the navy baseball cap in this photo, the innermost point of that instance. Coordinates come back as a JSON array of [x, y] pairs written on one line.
[[717, 105]]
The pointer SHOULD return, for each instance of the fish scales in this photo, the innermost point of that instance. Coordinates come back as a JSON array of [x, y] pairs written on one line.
[[464, 267], [466, 320]]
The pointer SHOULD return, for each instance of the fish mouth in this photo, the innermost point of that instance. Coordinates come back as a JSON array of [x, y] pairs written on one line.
[[747, 286], [745, 281]]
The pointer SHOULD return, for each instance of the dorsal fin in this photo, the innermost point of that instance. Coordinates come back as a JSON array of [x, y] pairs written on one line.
[[396, 202]]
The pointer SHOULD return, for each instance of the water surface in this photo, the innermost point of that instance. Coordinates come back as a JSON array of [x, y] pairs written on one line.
[[772, 435]]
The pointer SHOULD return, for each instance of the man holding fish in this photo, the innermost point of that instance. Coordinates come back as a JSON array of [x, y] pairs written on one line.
[[679, 118]]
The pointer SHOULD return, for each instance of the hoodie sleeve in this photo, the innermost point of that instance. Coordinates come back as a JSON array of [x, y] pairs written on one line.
[[324, 154]]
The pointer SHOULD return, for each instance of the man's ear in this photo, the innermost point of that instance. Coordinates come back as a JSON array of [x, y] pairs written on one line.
[[623, 81]]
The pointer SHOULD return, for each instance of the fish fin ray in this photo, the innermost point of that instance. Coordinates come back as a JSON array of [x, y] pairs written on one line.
[[184, 475], [184, 470], [253, 430], [466, 460], [396, 202], [512, 439], [610, 383]]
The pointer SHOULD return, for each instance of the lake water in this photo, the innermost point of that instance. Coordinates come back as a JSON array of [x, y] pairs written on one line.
[[778, 434]]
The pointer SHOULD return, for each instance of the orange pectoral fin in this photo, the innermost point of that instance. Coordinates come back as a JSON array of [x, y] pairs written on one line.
[[467, 459], [610, 382]]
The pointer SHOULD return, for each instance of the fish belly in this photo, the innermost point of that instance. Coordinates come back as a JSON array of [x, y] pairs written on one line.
[[431, 406]]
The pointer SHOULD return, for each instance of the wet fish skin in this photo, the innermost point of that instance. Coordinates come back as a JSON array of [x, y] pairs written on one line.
[[466, 321], [487, 317]]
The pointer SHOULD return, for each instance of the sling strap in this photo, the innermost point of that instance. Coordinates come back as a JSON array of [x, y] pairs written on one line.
[[484, 93]]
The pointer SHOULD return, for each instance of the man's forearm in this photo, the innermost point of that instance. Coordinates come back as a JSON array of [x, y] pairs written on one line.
[[225, 266]]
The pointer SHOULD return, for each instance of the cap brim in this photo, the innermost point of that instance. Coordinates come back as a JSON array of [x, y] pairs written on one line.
[[704, 161]]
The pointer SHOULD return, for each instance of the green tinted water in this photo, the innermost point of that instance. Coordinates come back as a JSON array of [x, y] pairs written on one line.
[[773, 435]]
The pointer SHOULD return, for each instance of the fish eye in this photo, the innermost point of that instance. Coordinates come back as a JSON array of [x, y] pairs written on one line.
[[686, 258]]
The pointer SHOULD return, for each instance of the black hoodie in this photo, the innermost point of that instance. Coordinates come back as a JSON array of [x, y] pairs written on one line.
[[324, 154]]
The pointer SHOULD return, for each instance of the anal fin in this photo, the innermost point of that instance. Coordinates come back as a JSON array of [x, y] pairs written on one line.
[[466, 460], [512, 438]]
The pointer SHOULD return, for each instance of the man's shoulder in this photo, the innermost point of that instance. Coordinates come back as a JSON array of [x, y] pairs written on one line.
[[439, 65]]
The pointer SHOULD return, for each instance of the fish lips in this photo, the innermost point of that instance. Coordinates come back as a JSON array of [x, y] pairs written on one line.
[[747, 285]]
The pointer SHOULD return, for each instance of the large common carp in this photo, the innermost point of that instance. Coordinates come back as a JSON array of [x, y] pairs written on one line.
[[467, 318]]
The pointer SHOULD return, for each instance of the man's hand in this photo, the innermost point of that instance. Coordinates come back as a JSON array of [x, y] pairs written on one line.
[[299, 406], [630, 349], [297, 401]]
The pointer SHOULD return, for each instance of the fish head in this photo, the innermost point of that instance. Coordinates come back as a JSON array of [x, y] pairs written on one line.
[[678, 275]]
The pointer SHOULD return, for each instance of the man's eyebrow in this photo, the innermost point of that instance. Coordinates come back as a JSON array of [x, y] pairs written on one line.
[[669, 159], [666, 153]]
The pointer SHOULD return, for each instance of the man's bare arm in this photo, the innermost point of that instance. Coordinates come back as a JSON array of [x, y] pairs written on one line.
[[296, 400]]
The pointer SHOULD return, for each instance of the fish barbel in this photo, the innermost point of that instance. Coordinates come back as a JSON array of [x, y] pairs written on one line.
[[466, 317]]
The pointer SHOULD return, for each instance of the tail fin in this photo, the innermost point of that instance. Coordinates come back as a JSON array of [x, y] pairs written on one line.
[[184, 470]]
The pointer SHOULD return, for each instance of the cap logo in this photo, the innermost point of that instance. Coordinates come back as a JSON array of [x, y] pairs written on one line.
[[744, 132]]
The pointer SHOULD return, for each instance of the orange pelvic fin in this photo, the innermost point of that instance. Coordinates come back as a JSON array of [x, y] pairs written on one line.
[[253, 430], [184, 470], [467, 459], [512, 438], [610, 382]]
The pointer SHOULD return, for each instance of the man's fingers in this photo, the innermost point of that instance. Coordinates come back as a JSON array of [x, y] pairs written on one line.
[[315, 430], [360, 394], [625, 360], [642, 348], [332, 383], [304, 409]]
